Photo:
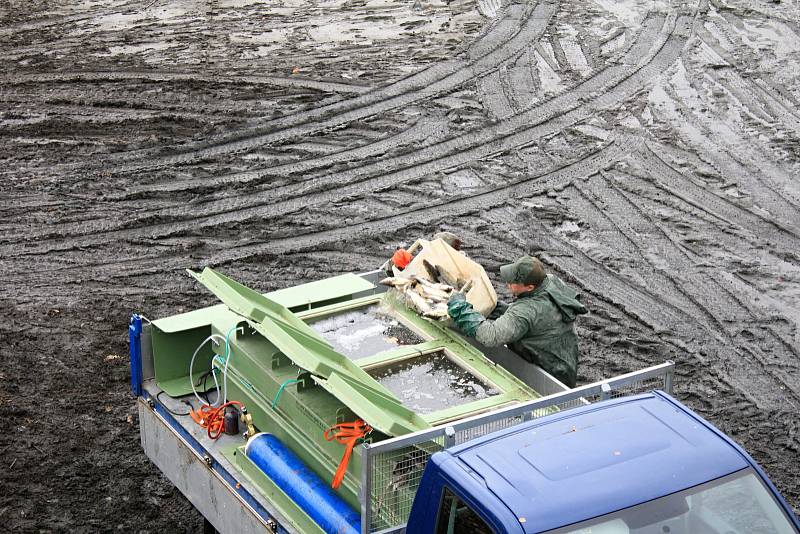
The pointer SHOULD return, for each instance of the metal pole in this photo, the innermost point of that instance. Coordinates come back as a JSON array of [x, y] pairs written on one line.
[[668, 377], [449, 437], [365, 496]]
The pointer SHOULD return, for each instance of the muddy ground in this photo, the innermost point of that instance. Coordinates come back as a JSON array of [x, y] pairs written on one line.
[[646, 151]]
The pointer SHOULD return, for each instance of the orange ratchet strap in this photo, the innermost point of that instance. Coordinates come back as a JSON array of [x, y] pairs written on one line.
[[347, 434]]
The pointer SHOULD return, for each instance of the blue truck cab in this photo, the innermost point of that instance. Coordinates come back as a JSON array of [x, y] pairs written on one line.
[[642, 464]]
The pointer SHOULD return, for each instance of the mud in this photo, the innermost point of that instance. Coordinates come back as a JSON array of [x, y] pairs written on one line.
[[647, 151]]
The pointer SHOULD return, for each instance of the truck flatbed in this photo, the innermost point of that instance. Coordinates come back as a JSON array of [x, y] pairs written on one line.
[[234, 494]]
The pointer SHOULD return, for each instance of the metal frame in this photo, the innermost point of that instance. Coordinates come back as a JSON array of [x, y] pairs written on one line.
[[204, 478], [601, 390]]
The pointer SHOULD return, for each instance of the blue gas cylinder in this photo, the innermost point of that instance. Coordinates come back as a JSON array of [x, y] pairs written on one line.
[[303, 486]]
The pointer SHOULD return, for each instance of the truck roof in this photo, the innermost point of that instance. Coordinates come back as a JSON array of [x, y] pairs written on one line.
[[586, 462]]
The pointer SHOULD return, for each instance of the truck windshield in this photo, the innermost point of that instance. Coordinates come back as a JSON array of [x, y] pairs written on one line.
[[455, 517], [735, 504]]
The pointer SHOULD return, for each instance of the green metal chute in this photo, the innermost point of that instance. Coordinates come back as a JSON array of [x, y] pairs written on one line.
[[307, 349]]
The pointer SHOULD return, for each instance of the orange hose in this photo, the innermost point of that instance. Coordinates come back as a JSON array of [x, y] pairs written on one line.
[[212, 418], [347, 434]]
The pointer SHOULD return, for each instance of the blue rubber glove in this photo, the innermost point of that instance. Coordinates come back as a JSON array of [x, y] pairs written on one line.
[[464, 317]]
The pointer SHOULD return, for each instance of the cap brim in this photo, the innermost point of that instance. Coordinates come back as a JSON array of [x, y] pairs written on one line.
[[507, 273]]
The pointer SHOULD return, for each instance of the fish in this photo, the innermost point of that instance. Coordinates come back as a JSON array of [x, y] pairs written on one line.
[[467, 286], [427, 283], [432, 292], [446, 277], [397, 281], [433, 274], [437, 312], [418, 302]]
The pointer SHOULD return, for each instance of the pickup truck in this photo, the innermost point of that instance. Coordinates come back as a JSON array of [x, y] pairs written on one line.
[[640, 464], [501, 447]]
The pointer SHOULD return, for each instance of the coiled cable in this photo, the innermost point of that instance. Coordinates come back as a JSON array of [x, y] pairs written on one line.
[[191, 367]]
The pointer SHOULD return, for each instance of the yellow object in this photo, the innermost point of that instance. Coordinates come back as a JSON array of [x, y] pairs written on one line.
[[481, 294]]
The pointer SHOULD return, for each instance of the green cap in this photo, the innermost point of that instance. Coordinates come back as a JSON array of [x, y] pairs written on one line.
[[526, 270]]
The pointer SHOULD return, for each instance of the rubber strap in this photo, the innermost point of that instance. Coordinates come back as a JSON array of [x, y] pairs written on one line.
[[347, 434]]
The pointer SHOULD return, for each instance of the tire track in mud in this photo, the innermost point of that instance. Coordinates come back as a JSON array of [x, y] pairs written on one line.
[[714, 40], [77, 114], [773, 177], [652, 23], [16, 28], [163, 76], [639, 48], [494, 98], [594, 201], [424, 130], [761, 99], [715, 301], [728, 163], [435, 81], [85, 104], [131, 266], [618, 82], [720, 207]]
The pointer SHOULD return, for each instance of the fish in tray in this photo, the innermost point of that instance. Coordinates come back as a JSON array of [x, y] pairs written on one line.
[[428, 298]]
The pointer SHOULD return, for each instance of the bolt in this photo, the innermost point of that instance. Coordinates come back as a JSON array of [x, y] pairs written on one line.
[[151, 403], [272, 526], [208, 460], [245, 435]]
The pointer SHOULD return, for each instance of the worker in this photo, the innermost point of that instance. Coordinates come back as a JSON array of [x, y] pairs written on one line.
[[539, 325]]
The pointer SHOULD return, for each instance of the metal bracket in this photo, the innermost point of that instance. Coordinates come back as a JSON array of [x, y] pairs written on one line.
[[344, 415], [449, 437], [306, 382], [279, 360]]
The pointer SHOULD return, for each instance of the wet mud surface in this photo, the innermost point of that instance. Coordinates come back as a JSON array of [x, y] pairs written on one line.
[[646, 151]]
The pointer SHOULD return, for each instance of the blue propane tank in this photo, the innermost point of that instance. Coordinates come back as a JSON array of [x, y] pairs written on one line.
[[302, 485]]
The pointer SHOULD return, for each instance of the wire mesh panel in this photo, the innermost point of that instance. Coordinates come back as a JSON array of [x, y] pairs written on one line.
[[393, 468], [639, 386], [394, 478]]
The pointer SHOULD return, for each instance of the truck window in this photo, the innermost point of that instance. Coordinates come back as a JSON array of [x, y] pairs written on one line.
[[734, 504], [455, 517]]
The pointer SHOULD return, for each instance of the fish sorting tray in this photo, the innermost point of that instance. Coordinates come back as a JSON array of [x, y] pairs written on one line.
[[431, 382], [364, 332]]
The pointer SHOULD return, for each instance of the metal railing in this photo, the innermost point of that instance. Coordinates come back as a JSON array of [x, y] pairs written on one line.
[[392, 469]]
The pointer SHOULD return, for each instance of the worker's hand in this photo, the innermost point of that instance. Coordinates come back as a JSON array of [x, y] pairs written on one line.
[[464, 317], [456, 296]]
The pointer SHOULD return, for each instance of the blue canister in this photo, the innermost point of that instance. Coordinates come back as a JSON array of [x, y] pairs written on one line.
[[303, 486]]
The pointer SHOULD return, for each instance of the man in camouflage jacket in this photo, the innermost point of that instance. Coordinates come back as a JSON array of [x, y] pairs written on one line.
[[539, 325]]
